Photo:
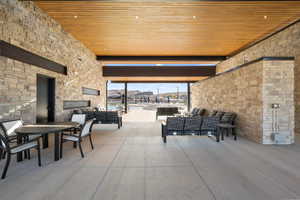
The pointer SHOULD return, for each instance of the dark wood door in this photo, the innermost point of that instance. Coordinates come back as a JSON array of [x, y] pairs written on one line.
[[45, 99], [45, 102]]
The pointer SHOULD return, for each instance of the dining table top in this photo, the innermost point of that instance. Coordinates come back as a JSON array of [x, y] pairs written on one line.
[[45, 128]]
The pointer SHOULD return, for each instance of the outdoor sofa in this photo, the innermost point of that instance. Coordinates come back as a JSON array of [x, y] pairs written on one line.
[[103, 117], [198, 125], [166, 111]]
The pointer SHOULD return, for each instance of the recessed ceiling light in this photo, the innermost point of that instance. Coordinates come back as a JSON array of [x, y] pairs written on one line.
[[194, 17], [136, 17], [265, 17], [75, 16]]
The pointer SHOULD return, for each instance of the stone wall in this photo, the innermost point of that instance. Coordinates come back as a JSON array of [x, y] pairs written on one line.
[[284, 43], [239, 91], [25, 25], [250, 91]]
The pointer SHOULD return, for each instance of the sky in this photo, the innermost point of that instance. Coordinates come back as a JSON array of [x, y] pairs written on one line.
[[163, 87]]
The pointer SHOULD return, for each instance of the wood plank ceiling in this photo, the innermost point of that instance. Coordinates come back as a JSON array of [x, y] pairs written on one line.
[[170, 28]]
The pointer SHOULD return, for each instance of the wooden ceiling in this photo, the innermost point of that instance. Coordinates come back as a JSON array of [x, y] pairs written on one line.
[[170, 28]]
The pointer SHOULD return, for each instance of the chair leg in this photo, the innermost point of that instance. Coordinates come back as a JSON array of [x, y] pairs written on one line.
[[28, 154], [222, 133], [39, 154], [90, 136], [6, 166], [80, 148], [165, 139], [75, 143], [218, 135], [234, 133], [25, 154], [61, 146]]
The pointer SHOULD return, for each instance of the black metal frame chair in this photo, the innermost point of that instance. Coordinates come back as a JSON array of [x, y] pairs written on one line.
[[5, 146], [108, 117], [209, 124], [174, 124], [9, 127], [192, 125], [85, 131], [78, 118], [227, 124]]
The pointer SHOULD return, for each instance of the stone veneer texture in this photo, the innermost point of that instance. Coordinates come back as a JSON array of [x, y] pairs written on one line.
[[25, 25], [250, 91], [239, 91], [278, 87], [285, 43]]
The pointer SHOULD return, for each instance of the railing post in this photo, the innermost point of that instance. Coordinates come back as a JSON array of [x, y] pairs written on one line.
[[188, 97], [125, 97]]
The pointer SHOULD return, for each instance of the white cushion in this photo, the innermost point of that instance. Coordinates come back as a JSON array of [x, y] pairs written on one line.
[[79, 118], [86, 130], [11, 126], [71, 138], [24, 147]]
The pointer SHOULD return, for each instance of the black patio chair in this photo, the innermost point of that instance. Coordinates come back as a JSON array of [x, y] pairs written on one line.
[[9, 127], [173, 126], [85, 131], [219, 114], [210, 124], [192, 125], [227, 124], [194, 111], [213, 113], [112, 117], [79, 118], [199, 112], [5, 146]]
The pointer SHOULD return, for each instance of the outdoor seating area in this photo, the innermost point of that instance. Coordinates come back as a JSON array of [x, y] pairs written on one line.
[[17, 138], [133, 163], [215, 124], [149, 100]]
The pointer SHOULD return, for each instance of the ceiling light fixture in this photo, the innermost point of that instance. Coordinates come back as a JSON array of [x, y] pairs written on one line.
[[194, 17], [265, 17], [136, 17], [75, 16]]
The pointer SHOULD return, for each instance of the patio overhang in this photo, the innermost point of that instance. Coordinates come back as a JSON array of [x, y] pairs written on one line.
[[158, 73]]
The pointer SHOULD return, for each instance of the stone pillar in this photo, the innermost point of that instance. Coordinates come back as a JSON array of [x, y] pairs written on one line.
[[278, 88]]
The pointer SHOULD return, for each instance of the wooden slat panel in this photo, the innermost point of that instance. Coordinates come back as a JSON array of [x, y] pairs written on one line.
[[167, 28]]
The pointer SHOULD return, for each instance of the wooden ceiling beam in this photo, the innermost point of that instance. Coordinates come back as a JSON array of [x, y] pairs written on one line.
[[169, 71], [17, 53]]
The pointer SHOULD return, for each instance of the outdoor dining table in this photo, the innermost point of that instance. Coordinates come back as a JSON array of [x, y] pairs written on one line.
[[55, 128]]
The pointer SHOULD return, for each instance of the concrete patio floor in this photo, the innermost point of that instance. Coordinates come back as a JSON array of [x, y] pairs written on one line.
[[133, 164]]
